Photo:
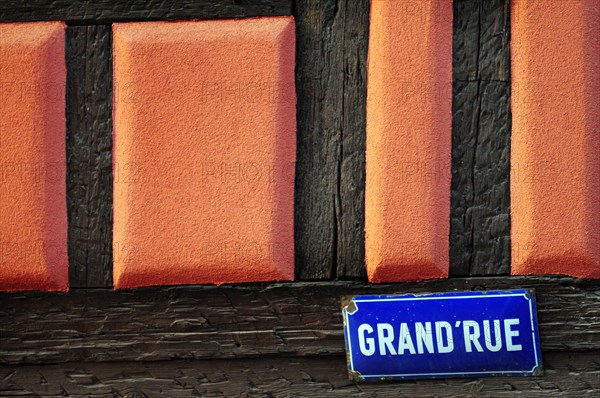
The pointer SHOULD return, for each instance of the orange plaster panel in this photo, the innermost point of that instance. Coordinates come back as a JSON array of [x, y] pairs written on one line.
[[555, 154], [409, 122], [33, 210], [204, 151]]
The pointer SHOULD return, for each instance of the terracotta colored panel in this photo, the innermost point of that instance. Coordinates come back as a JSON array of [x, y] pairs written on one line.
[[409, 121], [33, 211], [555, 160], [204, 151], [555, 157]]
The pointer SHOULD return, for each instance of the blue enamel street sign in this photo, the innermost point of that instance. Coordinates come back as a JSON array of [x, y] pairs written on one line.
[[459, 334]]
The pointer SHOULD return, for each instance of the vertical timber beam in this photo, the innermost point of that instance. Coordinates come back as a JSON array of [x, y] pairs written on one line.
[[331, 88], [89, 155], [481, 130]]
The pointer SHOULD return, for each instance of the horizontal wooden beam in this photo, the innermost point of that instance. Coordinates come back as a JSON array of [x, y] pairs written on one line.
[[106, 11], [573, 374], [292, 319]]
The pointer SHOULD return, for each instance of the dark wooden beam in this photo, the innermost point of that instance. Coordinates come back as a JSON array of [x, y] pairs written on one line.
[[292, 319], [89, 155], [566, 374], [350, 209], [318, 138], [481, 129], [86, 12], [332, 38]]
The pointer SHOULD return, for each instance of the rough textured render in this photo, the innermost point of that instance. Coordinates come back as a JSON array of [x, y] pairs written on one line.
[[409, 122], [555, 159], [33, 213], [204, 151]]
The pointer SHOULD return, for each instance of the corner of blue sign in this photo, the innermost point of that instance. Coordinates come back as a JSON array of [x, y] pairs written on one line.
[[349, 306]]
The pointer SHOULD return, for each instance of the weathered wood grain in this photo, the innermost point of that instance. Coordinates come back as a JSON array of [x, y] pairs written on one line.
[[481, 127], [350, 211], [331, 44], [293, 319], [105, 11], [89, 155], [566, 375]]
